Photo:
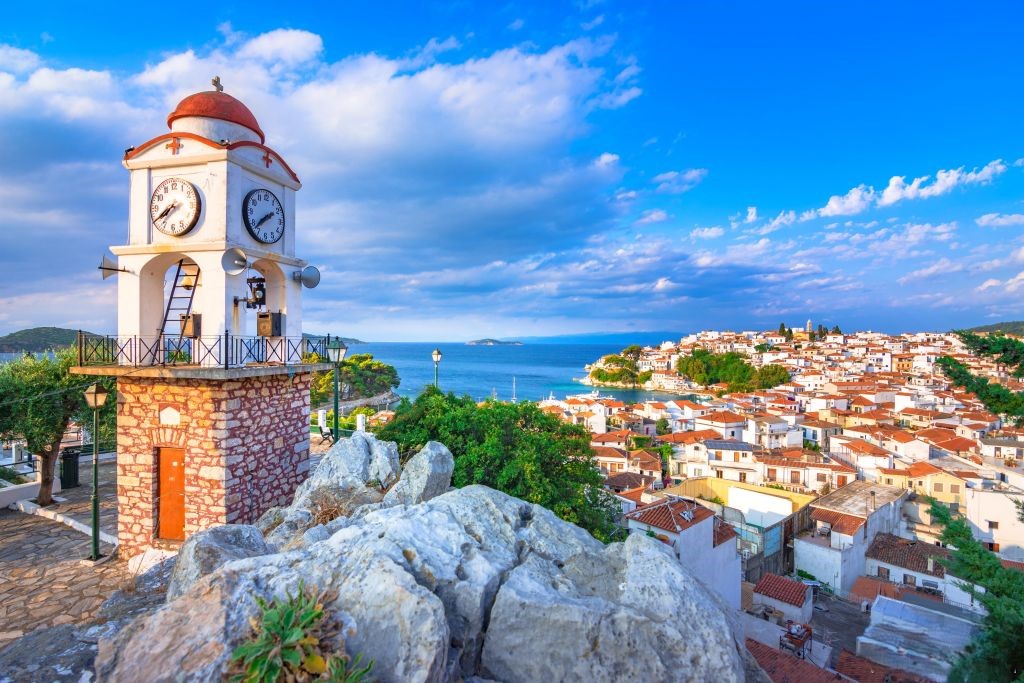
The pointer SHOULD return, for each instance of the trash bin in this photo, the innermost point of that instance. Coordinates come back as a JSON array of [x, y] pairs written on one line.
[[69, 468]]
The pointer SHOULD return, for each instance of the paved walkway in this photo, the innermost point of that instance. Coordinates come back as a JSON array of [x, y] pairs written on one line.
[[78, 503], [43, 581]]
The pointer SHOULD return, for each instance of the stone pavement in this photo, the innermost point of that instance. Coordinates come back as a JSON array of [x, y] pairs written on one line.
[[43, 581], [78, 503]]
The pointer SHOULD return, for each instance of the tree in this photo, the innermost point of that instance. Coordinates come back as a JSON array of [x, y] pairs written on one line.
[[622, 368], [39, 398], [762, 348], [771, 376], [782, 329], [361, 377], [789, 334], [995, 653], [515, 448], [661, 426], [836, 330]]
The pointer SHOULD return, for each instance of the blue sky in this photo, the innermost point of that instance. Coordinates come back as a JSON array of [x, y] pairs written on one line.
[[475, 169]]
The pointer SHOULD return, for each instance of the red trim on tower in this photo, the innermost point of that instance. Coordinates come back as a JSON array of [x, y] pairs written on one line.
[[131, 154]]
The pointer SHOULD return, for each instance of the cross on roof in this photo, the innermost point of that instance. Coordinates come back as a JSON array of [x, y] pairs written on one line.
[[266, 158], [174, 145], [216, 84]]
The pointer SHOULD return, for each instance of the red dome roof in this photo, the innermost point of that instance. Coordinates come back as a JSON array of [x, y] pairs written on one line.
[[216, 105]]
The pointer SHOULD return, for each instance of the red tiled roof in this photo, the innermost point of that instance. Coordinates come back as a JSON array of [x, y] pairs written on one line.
[[908, 554], [723, 532], [783, 589], [633, 495], [783, 667], [840, 523], [668, 515], [690, 437], [922, 469], [723, 417], [865, 671]]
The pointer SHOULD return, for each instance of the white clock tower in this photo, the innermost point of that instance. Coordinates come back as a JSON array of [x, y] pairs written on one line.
[[213, 385], [211, 235]]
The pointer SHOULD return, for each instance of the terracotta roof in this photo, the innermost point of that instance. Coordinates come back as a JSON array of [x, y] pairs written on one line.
[[783, 667], [723, 417], [690, 437], [865, 671], [908, 554], [922, 469], [608, 452], [723, 532], [212, 104], [634, 495], [783, 589], [668, 515], [628, 480], [840, 523]]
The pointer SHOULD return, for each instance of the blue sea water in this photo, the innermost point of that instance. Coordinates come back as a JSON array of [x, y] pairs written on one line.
[[477, 371]]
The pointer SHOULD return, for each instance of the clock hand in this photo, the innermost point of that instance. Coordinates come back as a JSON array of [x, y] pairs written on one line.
[[170, 207], [263, 220]]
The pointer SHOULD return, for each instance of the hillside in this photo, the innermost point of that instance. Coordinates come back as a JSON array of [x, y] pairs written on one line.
[[36, 339], [1011, 327]]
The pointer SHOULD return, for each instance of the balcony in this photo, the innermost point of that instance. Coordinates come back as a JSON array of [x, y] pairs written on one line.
[[178, 355]]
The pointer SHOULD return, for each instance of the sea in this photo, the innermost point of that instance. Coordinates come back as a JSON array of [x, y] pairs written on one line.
[[538, 370]]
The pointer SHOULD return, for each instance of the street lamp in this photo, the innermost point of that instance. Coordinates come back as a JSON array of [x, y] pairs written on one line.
[[336, 353], [436, 355], [95, 397]]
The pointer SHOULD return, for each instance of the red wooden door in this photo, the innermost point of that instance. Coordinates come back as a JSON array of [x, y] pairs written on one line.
[[171, 514]]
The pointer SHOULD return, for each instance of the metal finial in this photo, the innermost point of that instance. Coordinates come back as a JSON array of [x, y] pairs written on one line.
[[216, 84]]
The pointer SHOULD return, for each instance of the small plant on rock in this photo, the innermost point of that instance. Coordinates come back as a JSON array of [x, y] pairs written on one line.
[[288, 645]]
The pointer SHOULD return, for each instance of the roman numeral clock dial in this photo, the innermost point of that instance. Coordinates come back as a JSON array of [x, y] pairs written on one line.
[[263, 216], [175, 207]]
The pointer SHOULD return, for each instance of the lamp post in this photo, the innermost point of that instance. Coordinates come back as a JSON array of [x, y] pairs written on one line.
[[336, 352], [95, 397], [436, 355]]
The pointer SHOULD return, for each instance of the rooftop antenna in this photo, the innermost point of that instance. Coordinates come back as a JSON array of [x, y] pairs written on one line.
[[216, 84]]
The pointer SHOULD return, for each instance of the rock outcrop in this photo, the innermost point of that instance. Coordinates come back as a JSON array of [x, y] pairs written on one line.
[[468, 584], [208, 549]]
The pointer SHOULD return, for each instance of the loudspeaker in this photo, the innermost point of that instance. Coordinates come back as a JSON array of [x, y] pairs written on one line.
[[308, 276], [269, 324], [192, 325], [234, 261]]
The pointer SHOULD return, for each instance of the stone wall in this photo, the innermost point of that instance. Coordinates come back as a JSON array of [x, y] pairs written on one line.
[[246, 445]]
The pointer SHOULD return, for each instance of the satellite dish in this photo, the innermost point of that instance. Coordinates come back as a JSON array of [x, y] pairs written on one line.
[[308, 276], [234, 261]]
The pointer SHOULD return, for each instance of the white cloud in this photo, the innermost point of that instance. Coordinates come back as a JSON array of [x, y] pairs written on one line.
[[17, 61], [751, 214], [999, 220], [941, 267], [784, 218], [516, 25], [706, 233], [677, 182], [289, 47], [1016, 282], [988, 284], [652, 216], [898, 189], [593, 23], [853, 202], [607, 159]]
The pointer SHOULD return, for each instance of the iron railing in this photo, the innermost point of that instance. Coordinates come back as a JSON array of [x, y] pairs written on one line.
[[224, 351]]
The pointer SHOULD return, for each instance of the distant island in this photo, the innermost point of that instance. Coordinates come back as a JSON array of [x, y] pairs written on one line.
[[348, 341], [493, 342], [38, 340], [1012, 327]]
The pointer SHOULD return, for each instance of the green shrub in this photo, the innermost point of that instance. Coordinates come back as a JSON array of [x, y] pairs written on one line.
[[288, 645], [7, 474]]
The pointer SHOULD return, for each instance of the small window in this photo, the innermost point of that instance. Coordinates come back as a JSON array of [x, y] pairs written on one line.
[[954, 488], [772, 474], [822, 477], [910, 579], [937, 487], [888, 480], [883, 573], [994, 547], [993, 526], [794, 477]]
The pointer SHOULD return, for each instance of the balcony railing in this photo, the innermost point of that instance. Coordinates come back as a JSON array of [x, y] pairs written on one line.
[[222, 351]]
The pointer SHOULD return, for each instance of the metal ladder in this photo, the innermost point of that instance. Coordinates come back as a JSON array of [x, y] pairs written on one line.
[[178, 303]]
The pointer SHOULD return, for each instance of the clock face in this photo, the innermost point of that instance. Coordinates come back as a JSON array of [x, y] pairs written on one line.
[[263, 216], [175, 207]]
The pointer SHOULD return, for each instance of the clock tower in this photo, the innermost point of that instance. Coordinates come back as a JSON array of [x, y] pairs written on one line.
[[212, 379]]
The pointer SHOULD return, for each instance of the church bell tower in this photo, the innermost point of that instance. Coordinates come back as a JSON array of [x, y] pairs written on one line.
[[212, 378]]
